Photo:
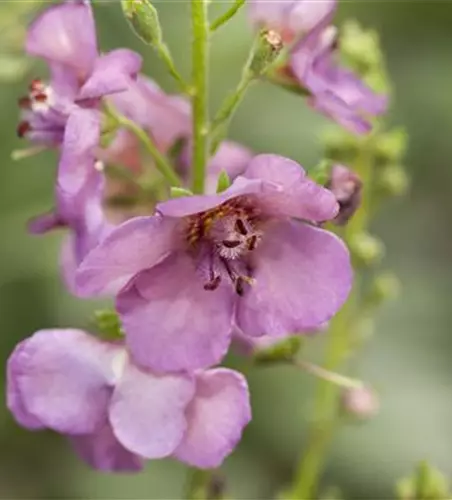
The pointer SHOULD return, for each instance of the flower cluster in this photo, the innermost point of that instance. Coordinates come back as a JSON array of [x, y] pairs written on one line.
[[250, 260]]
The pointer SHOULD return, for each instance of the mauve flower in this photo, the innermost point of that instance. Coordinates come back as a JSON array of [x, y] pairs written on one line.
[[117, 414], [65, 112], [207, 263], [347, 187], [334, 91], [83, 216]]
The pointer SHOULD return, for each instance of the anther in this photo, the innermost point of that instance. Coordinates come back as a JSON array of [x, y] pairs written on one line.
[[240, 227], [23, 128], [40, 97], [239, 286], [230, 244], [251, 243], [24, 102], [213, 284], [36, 85]]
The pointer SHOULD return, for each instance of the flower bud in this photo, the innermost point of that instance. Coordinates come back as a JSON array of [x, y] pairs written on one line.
[[360, 402], [285, 350], [391, 146], [386, 286], [393, 180], [267, 49], [108, 323], [426, 483], [143, 19], [347, 188], [366, 249]]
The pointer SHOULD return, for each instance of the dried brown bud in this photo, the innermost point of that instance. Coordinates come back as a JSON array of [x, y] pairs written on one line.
[[347, 187]]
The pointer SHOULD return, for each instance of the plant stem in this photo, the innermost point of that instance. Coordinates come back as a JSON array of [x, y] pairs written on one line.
[[161, 163], [200, 56], [197, 484], [326, 401], [224, 18], [165, 56]]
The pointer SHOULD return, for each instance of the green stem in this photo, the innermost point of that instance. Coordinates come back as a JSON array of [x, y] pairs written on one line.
[[161, 163], [198, 484], [339, 338], [224, 18], [165, 56], [200, 56]]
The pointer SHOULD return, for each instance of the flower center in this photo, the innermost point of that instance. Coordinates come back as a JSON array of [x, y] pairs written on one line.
[[225, 236], [39, 100]]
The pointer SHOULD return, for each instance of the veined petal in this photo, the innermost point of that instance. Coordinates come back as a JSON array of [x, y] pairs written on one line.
[[113, 72], [104, 452], [64, 378], [172, 323], [135, 245], [302, 277], [216, 418], [147, 411], [66, 34], [288, 192]]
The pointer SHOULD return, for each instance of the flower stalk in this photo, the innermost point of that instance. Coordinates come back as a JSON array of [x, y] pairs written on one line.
[[200, 57], [224, 18]]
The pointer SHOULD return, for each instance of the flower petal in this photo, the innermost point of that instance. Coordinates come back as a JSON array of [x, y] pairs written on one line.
[[113, 72], [147, 412], [303, 276], [104, 452], [81, 137], [63, 379], [14, 399], [196, 328], [65, 34], [189, 205], [289, 192], [216, 418], [135, 245]]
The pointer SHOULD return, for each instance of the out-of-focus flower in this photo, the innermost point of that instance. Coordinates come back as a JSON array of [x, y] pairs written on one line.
[[334, 91], [83, 216], [360, 402], [347, 187], [206, 263], [117, 414], [231, 157], [65, 111]]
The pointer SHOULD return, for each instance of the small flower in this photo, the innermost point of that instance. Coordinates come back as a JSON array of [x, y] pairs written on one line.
[[83, 215], [206, 263], [116, 414], [347, 187], [65, 111], [335, 91]]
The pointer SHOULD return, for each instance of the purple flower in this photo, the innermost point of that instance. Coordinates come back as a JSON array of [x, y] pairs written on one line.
[[83, 215], [207, 263], [335, 91], [117, 414], [347, 187], [65, 112]]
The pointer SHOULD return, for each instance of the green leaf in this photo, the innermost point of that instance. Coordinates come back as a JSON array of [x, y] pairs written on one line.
[[223, 181], [178, 192], [144, 21]]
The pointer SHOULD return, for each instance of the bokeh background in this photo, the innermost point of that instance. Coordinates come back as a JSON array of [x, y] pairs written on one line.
[[408, 359]]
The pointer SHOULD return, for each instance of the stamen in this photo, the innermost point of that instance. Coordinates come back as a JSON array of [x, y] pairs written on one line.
[[213, 284], [36, 85], [230, 244], [240, 227], [23, 128], [24, 102], [41, 97], [239, 286], [252, 243]]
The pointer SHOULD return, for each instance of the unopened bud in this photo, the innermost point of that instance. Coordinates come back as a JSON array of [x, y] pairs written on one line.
[[267, 49], [367, 249], [391, 146], [143, 19], [360, 402], [284, 350], [386, 286], [426, 483], [393, 180], [108, 323], [347, 188]]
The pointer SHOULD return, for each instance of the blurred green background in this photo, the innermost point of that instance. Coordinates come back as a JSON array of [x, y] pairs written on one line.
[[408, 359]]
